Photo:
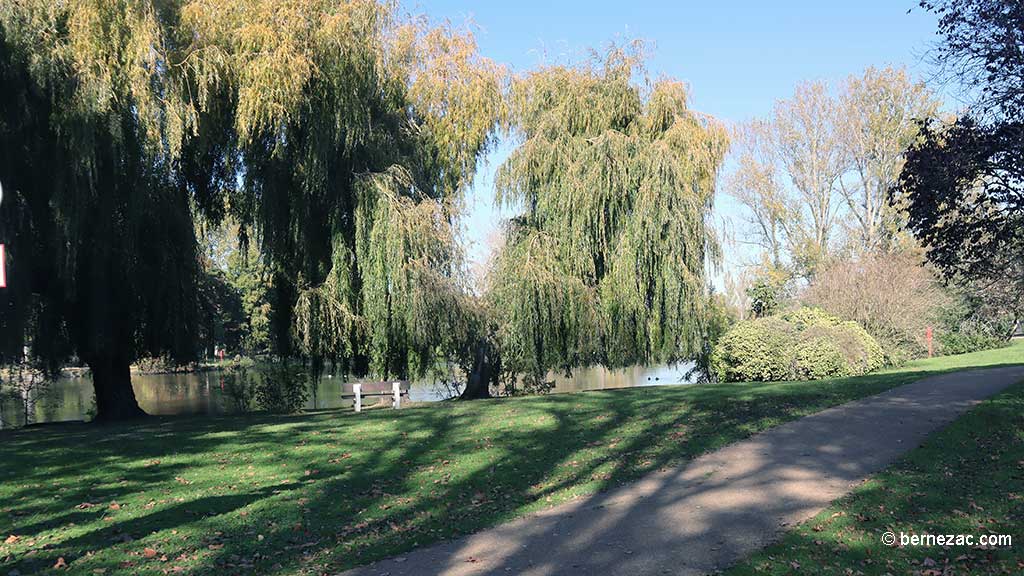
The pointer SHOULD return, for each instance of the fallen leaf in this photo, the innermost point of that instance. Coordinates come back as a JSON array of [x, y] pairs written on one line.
[[12, 539], [60, 564], [149, 553]]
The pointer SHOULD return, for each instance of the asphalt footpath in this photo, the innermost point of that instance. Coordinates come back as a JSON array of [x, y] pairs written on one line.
[[716, 509]]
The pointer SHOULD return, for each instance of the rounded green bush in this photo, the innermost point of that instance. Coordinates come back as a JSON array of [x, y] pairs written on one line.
[[808, 317], [757, 349], [819, 356], [871, 356], [962, 343], [802, 344]]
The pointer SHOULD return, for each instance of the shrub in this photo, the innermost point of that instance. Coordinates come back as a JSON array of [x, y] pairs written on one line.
[[964, 342], [802, 344], [870, 356], [282, 389], [161, 365], [808, 316], [975, 321], [758, 349], [893, 296], [819, 356], [720, 316]]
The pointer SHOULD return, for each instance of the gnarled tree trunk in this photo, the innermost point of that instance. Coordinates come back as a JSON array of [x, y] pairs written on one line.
[[112, 381], [486, 368]]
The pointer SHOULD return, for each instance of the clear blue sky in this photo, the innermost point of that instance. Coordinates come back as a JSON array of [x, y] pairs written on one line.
[[738, 57]]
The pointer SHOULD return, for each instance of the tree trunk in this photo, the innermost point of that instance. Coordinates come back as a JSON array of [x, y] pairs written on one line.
[[112, 381], [485, 370]]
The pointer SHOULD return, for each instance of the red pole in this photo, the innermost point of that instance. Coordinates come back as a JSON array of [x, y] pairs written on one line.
[[3, 267]]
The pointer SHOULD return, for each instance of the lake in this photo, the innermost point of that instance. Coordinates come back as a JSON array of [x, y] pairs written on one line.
[[213, 393]]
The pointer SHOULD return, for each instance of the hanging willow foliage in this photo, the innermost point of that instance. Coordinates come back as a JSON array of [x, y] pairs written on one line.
[[96, 214], [339, 134], [606, 263], [357, 133]]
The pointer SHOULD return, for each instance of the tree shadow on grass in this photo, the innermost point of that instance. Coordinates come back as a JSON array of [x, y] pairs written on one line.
[[332, 491], [700, 518]]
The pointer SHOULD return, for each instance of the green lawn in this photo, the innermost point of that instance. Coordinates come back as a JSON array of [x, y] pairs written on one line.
[[966, 479], [322, 492]]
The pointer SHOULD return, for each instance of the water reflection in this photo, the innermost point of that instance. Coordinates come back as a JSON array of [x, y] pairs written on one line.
[[218, 392]]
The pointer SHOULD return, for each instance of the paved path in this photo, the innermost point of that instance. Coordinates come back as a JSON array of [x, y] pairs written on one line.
[[717, 509]]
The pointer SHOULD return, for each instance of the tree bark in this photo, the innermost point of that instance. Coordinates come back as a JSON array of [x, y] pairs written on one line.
[[485, 370], [112, 381]]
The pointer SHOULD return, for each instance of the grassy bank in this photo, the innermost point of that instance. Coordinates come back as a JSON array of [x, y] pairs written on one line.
[[318, 493], [966, 479]]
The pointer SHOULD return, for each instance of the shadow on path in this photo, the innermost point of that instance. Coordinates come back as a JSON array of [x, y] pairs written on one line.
[[708, 514]]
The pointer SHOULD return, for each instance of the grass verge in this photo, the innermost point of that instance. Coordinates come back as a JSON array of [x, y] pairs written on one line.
[[318, 493], [967, 479]]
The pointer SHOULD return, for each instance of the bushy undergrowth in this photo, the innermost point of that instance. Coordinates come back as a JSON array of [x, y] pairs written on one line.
[[803, 344], [898, 299], [965, 342]]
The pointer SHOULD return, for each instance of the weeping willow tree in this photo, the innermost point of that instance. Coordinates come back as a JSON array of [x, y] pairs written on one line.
[[339, 135], [615, 180], [97, 220], [356, 133]]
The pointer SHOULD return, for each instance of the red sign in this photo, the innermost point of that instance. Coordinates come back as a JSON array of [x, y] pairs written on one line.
[[3, 267]]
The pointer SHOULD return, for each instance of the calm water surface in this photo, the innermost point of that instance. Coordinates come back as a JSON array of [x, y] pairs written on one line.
[[212, 393]]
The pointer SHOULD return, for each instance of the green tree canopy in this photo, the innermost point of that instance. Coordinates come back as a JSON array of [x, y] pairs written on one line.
[[615, 180], [339, 135], [96, 215], [356, 134]]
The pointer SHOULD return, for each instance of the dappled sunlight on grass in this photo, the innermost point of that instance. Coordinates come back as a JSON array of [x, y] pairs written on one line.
[[322, 492]]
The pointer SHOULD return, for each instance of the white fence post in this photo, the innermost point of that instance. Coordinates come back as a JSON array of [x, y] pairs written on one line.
[[396, 387], [357, 389]]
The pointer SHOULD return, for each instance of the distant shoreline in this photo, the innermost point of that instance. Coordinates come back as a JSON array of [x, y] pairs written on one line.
[[82, 371]]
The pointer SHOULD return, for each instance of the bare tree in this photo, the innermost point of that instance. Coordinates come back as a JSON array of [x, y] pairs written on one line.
[[893, 295], [736, 293], [757, 184], [814, 177], [877, 113], [810, 149]]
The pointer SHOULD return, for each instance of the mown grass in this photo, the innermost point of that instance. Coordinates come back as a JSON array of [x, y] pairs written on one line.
[[318, 493], [967, 479]]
